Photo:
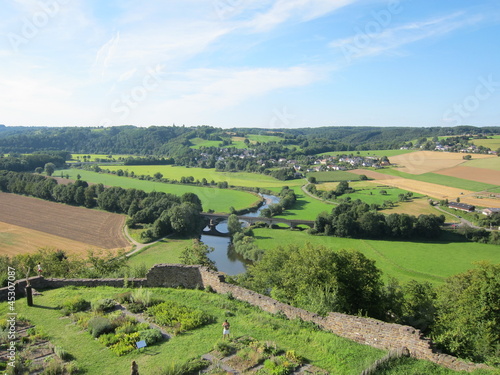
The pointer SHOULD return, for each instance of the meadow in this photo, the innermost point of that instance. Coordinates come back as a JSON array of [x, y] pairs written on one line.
[[431, 261], [493, 163], [244, 179], [167, 250], [333, 176], [237, 142], [378, 153], [219, 200], [323, 349], [435, 178], [94, 157], [493, 143]]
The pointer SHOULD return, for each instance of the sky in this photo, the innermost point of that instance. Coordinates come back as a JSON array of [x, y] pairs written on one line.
[[250, 63]]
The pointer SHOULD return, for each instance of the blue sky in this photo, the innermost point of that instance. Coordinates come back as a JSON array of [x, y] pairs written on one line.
[[258, 63]]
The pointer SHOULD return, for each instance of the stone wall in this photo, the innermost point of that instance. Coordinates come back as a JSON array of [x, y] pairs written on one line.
[[367, 331]]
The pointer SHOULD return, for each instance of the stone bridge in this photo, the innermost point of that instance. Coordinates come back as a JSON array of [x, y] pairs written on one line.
[[217, 218]]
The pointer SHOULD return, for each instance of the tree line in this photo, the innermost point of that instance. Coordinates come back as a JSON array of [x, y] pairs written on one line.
[[167, 213], [462, 316], [359, 220]]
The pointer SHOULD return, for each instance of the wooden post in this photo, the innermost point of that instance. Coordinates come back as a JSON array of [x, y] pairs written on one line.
[[29, 295]]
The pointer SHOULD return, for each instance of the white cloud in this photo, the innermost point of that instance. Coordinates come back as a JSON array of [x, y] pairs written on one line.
[[365, 43], [301, 10]]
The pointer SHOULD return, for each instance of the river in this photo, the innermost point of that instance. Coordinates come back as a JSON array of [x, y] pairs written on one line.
[[224, 256]]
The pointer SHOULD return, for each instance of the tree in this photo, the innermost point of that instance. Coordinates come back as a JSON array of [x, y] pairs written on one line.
[[38, 170], [158, 176], [312, 180], [185, 218], [318, 279], [233, 224], [49, 168], [468, 314], [363, 177], [197, 253]]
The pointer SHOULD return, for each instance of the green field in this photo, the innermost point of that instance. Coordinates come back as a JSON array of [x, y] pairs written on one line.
[[438, 179], [378, 153], [244, 179], [491, 163], [93, 157], [306, 207], [323, 349], [220, 200], [165, 251], [237, 142], [493, 143], [333, 176], [422, 261]]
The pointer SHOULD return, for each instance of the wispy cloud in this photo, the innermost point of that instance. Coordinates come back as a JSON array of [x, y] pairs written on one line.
[[298, 10], [364, 44]]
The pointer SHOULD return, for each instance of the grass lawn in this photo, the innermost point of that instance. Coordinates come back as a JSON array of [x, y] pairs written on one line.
[[493, 143], [199, 142], [220, 200], [422, 261], [323, 349], [306, 207], [232, 178], [166, 251], [369, 192], [334, 176], [493, 163], [93, 157], [438, 179], [378, 153]]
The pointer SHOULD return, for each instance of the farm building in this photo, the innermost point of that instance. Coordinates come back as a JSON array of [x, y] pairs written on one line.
[[461, 206], [491, 211]]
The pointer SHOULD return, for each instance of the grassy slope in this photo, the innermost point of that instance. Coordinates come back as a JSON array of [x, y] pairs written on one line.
[[233, 178], [438, 179], [212, 198], [334, 176], [423, 261], [493, 143], [337, 355], [379, 153], [165, 251], [493, 163]]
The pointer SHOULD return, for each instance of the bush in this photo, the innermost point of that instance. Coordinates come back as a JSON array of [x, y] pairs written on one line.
[[224, 348], [75, 304], [124, 297], [126, 343], [100, 325], [62, 354], [151, 336], [175, 315], [102, 305], [109, 339]]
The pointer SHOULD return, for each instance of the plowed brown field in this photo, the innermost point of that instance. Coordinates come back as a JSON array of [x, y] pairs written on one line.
[[430, 161], [475, 174], [16, 240], [89, 228]]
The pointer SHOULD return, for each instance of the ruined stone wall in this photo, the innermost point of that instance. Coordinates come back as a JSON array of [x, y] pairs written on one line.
[[362, 330]]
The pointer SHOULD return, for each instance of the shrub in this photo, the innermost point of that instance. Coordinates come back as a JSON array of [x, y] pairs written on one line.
[[151, 336], [109, 339], [141, 296], [126, 343], [100, 325], [124, 297], [193, 366], [225, 348], [62, 354], [102, 305], [172, 314], [74, 304]]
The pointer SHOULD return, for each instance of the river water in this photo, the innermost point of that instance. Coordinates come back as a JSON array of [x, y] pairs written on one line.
[[224, 256]]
